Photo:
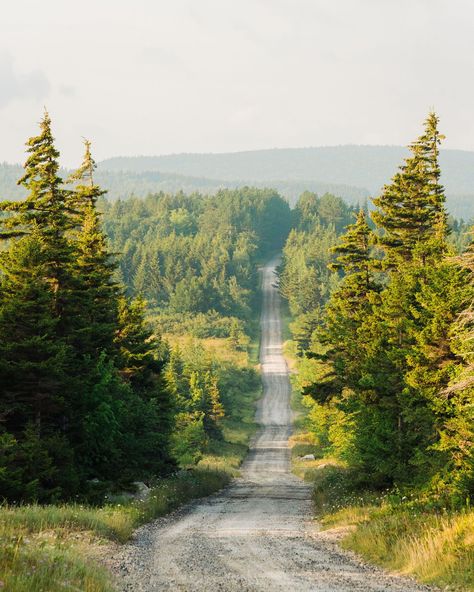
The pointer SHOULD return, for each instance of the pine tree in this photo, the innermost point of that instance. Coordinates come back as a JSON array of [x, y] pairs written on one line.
[[431, 362], [135, 342], [96, 292], [173, 375], [456, 400], [45, 211], [411, 209], [149, 417], [32, 359], [34, 299], [205, 397], [348, 305], [215, 411], [354, 259]]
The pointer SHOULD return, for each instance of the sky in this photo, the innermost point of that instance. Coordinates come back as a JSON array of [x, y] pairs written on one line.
[[165, 76]]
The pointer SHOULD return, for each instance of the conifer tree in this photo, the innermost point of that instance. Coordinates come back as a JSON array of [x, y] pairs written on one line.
[[96, 291], [32, 360], [355, 261], [348, 306], [455, 402], [135, 342], [46, 212], [215, 411], [34, 299], [411, 209], [149, 418]]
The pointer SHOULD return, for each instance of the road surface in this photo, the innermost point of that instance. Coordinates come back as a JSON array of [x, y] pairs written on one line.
[[258, 533]]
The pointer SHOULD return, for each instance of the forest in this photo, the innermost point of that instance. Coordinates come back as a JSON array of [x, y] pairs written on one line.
[[129, 346], [90, 287]]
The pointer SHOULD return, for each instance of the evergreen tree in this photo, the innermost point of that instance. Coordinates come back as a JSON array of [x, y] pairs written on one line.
[[456, 400], [34, 299], [348, 306], [46, 212], [215, 411], [354, 259], [96, 291], [411, 209], [149, 417]]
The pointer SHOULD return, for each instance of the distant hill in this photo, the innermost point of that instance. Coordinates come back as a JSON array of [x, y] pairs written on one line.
[[122, 184], [358, 170], [353, 172]]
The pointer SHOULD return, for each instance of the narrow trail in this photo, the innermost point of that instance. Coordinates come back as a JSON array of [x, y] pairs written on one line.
[[257, 534]]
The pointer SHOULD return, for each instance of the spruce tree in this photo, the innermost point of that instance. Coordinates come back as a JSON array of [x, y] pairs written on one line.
[[354, 259], [149, 418], [45, 211], [350, 303], [96, 291], [34, 302], [411, 209]]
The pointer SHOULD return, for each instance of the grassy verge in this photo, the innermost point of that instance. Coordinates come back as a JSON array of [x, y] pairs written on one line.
[[403, 534], [53, 548]]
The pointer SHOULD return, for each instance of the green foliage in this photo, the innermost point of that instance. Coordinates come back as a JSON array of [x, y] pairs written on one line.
[[411, 208], [197, 255], [390, 382], [81, 390], [305, 280]]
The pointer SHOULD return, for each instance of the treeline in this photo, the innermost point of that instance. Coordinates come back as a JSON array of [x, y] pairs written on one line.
[[197, 255], [389, 365]]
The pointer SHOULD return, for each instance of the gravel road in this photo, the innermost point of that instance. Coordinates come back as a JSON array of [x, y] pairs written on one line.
[[258, 533]]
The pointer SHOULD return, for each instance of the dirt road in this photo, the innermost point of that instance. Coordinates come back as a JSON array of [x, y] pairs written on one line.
[[256, 535]]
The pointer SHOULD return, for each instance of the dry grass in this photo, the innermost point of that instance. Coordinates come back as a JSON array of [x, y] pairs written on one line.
[[433, 545], [435, 549], [51, 548]]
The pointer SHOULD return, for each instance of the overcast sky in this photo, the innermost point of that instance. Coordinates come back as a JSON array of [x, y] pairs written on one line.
[[164, 76]]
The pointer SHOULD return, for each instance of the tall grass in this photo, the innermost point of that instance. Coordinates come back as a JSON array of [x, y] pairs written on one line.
[[437, 549], [51, 548], [405, 535]]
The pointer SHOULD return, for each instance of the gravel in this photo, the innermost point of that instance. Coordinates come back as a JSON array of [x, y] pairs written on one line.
[[258, 533]]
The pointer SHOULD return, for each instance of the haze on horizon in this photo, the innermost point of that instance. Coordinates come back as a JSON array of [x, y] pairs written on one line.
[[158, 77]]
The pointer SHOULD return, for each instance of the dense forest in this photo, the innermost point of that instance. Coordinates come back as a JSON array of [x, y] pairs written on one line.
[[383, 323], [92, 397], [198, 255]]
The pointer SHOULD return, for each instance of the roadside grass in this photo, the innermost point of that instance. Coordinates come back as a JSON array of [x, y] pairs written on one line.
[[52, 548], [435, 548], [403, 534]]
